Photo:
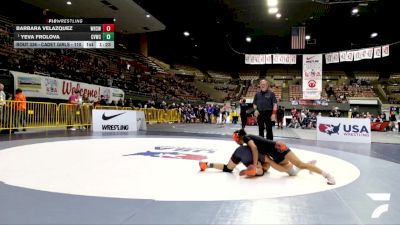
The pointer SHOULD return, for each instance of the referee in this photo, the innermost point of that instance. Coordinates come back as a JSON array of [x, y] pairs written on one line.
[[265, 107]]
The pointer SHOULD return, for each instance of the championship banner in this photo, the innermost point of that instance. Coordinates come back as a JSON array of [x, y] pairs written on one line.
[[328, 58], [343, 56], [292, 59], [278, 59], [312, 76], [377, 52], [332, 58], [358, 55], [335, 57], [284, 59], [369, 53], [349, 56], [268, 59], [255, 59], [385, 50], [343, 129]]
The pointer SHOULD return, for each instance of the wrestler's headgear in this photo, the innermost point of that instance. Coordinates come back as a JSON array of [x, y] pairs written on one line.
[[281, 146], [236, 137], [238, 134]]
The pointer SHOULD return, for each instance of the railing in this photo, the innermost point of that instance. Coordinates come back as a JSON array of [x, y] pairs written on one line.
[[20, 114]]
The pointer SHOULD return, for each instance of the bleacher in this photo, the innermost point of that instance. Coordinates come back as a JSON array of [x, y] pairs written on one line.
[[278, 92], [249, 75], [393, 89], [220, 76], [338, 74], [367, 75], [295, 92], [187, 70], [251, 91], [283, 74]]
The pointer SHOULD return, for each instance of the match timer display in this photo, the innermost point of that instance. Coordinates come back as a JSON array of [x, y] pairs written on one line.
[[66, 33]]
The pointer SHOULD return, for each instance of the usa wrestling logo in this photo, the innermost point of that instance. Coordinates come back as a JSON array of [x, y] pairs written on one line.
[[329, 128], [171, 152]]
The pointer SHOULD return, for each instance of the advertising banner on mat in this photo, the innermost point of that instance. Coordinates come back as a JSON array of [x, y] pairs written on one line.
[[343, 129], [312, 76], [118, 120], [36, 86]]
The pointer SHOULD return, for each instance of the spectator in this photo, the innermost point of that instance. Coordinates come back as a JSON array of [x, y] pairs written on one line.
[[20, 107], [73, 107], [280, 116], [377, 119], [243, 112], [383, 116], [392, 119], [103, 100], [2, 103]]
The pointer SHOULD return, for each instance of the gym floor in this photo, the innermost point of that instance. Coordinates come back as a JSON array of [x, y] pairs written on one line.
[[152, 177]]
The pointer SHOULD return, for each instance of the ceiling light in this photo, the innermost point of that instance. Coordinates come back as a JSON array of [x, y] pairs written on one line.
[[148, 15], [69, 2], [248, 39], [195, 46], [186, 34], [354, 11], [308, 37], [278, 15], [273, 10], [272, 3], [373, 35]]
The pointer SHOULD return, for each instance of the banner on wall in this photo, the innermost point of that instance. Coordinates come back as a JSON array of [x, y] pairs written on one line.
[[270, 59], [255, 59], [385, 51], [334, 57], [312, 76], [36, 86], [284, 59], [344, 129], [378, 52]]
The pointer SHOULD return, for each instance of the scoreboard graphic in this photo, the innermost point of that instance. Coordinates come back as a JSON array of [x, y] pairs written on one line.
[[66, 33]]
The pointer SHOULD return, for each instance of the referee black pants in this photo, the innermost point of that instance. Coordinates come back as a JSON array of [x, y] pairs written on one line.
[[243, 118], [264, 122]]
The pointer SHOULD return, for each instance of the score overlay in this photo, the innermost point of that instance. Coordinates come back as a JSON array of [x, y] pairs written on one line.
[[69, 33]]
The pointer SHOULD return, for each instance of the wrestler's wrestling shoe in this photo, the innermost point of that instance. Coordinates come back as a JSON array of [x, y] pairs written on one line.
[[203, 166], [251, 171], [330, 179]]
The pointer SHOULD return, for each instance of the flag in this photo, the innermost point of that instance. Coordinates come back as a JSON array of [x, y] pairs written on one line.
[[298, 37]]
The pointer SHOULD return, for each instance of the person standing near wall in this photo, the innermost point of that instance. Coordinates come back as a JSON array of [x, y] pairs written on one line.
[[20, 109], [2, 104], [243, 112], [265, 106]]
